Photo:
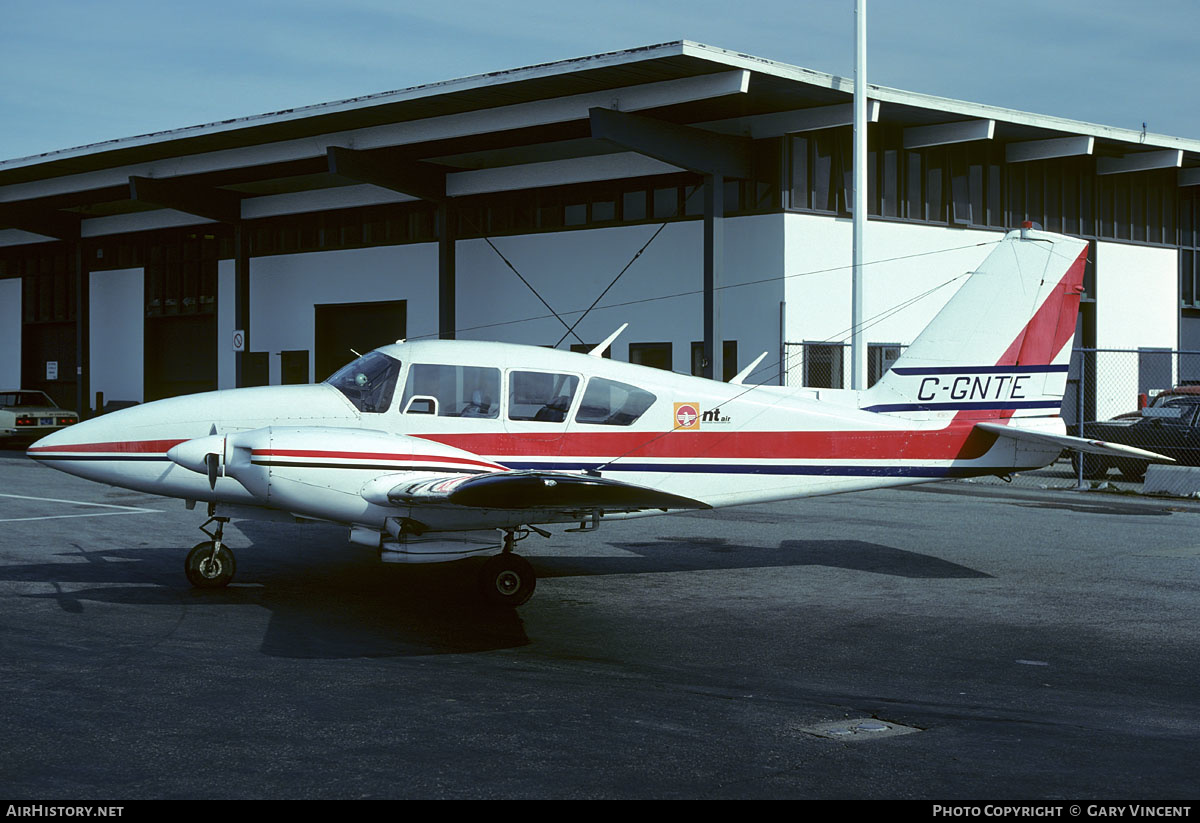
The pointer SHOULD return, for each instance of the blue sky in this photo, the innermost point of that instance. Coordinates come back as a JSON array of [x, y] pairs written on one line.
[[74, 72]]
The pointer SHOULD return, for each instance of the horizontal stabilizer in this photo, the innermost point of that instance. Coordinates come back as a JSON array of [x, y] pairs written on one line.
[[557, 491], [1066, 441]]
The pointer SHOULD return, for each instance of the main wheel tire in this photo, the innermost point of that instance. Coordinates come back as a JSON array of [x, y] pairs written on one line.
[[1094, 467], [204, 571], [507, 580]]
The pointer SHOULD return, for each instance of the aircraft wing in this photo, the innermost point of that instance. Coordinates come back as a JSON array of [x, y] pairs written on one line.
[[516, 490], [1066, 441]]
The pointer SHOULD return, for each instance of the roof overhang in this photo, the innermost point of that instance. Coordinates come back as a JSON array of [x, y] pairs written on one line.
[[523, 128]]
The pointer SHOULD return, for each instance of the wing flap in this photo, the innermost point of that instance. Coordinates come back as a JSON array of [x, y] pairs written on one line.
[[541, 490], [1066, 441]]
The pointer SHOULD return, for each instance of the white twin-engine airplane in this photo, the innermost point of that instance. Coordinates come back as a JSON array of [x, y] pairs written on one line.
[[440, 450]]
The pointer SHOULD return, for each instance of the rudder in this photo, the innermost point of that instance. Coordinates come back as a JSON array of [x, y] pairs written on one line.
[[1001, 346]]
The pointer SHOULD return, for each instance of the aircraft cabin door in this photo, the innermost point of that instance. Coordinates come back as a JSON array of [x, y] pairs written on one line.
[[540, 408]]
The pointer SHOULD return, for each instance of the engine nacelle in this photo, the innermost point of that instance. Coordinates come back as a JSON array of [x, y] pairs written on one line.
[[321, 472]]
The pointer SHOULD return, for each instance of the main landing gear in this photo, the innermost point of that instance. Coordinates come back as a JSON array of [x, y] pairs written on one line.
[[507, 580], [211, 565]]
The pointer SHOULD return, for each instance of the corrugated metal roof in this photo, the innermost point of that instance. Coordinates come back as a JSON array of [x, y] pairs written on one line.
[[773, 87]]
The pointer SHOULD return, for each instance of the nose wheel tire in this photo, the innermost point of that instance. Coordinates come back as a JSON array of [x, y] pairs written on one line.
[[507, 580], [208, 571]]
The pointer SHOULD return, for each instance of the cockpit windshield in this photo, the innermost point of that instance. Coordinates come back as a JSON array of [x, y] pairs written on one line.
[[368, 382]]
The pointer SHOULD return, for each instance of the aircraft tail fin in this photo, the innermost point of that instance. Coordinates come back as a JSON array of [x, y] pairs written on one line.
[[1001, 346]]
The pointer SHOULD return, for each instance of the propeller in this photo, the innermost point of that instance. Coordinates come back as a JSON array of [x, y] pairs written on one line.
[[203, 455], [212, 464]]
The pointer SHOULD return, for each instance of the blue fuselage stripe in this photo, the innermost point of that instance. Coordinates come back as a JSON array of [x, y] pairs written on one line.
[[999, 405], [798, 470], [794, 470], [1039, 369]]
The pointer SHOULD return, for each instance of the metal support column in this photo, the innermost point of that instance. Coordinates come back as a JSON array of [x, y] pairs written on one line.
[[446, 274], [83, 324], [714, 254], [241, 298], [1079, 415], [858, 352]]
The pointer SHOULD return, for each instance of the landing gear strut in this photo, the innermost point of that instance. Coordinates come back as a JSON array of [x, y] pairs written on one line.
[[211, 565], [507, 580]]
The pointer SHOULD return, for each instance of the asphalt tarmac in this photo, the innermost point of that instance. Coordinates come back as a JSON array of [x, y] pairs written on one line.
[[948, 642]]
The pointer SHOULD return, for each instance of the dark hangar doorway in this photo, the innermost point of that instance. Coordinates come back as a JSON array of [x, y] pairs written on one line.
[[341, 327], [180, 334]]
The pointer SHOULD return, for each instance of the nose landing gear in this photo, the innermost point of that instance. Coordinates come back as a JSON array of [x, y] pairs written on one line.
[[211, 564]]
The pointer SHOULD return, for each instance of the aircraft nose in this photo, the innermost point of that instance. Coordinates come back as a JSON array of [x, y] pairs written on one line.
[[83, 432], [105, 449], [62, 437]]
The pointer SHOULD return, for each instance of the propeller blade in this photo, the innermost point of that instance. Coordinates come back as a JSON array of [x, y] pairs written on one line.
[[212, 462]]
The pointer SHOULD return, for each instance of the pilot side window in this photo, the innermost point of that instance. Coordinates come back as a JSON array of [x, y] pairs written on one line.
[[540, 396], [368, 382], [609, 403], [452, 391]]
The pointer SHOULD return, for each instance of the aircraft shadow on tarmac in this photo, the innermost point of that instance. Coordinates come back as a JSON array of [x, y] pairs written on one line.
[[334, 608], [682, 554], [330, 603]]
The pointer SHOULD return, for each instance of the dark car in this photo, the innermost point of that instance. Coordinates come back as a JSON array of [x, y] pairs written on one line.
[[1168, 426]]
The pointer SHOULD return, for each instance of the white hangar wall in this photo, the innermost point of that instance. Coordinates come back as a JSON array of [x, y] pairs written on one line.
[[569, 269], [1137, 307], [804, 260], [118, 319], [904, 261], [285, 288], [10, 333], [1136, 286], [226, 317]]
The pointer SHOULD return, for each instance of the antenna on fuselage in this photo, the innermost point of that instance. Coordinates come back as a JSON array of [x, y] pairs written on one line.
[[608, 341], [356, 354], [744, 373]]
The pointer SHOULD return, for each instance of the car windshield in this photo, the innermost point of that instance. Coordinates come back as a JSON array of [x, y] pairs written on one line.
[[13, 399], [1172, 407], [368, 382]]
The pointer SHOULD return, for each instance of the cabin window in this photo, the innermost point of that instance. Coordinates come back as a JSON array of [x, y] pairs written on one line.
[[609, 403], [540, 396], [452, 391], [368, 382]]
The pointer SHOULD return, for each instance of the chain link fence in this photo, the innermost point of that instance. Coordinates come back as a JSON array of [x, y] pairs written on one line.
[[1148, 398], [1145, 397]]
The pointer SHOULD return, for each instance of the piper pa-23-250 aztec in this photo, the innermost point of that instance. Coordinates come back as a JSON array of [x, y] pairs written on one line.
[[440, 450]]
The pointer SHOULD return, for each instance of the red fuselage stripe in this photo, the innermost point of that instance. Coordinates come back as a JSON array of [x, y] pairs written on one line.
[[424, 458], [117, 447], [960, 442]]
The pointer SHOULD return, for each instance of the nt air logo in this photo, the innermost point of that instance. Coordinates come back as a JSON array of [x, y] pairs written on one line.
[[688, 417]]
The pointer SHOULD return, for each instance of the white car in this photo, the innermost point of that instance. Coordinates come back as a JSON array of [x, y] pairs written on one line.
[[28, 415]]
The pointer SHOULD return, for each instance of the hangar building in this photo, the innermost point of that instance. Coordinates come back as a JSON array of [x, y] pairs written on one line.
[[698, 194]]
